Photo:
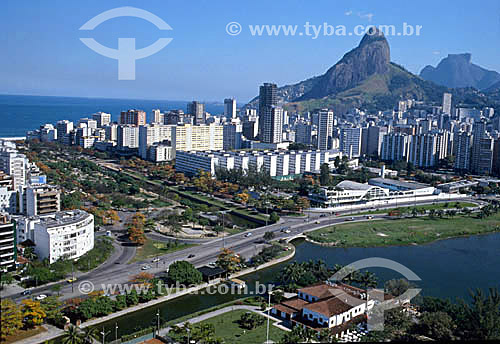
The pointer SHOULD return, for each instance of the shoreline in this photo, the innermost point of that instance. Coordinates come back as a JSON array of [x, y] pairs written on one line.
[[160, 300], [433, 240]]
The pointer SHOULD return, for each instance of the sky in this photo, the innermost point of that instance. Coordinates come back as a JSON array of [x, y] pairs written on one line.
[[42, 53]]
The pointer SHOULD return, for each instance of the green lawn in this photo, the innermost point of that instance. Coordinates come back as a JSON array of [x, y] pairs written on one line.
[[404, 231], [437, 206], [227, 328], [153, 248]]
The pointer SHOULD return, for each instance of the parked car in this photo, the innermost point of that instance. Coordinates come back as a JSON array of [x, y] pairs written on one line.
[[41, 297]]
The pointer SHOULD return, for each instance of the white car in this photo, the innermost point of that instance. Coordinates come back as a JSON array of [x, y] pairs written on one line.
[[248, 235], [146, 267], [156, 260], [41, 297]]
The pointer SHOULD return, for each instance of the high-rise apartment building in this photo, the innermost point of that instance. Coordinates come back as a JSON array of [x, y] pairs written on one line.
[[230, 108], [325, 129], [189, 137], [133, 117], [303, 133], [447, 103], [127, 136], [482, 149], [270, 115], [462, 149], [14, 164], [64, 129], [232, 133], [350, 142], [197, 110], [395, 147], [157, 117], [8, 243], [40, 199], [102, 118], [153, 133]]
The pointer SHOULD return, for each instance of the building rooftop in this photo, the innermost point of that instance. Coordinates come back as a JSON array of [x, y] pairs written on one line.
[[350, 185], [335, 305], [61, 218], [409, 185]]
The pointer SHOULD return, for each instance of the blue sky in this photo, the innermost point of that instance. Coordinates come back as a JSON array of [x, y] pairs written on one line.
[[42, 54]]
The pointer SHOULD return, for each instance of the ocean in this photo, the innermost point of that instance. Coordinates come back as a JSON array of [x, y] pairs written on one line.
[[19, 114]]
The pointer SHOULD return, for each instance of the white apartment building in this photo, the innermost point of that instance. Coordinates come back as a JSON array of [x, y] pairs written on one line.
[[395, 147], [189, 137], [66, 234], [276, 163], [127, 136], [230, 108], [13, 163], [102, 119], [8, 196], [150, 134], [7, 243], [159, 152]]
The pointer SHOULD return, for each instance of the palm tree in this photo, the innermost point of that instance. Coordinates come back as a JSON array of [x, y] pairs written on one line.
[[72, 336], [88, 334]]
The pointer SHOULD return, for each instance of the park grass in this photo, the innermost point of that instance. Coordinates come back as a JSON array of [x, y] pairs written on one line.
[[227, 328], [407, 231], [153, 248], [437, 206], [23, 334]]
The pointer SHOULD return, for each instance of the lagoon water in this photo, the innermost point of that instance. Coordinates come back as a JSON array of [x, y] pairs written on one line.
[[447, 268]]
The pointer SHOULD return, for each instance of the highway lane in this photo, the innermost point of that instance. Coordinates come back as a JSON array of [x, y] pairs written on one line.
[[207, 251]]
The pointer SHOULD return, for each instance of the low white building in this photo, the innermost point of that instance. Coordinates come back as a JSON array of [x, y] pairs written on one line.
[[277, 163], [66, 234], [349, 192]]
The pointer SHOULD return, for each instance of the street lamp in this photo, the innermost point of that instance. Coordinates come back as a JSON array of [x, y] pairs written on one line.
[[158, 320], [116, 331], [268, 315], [104, 334], [223, 212]]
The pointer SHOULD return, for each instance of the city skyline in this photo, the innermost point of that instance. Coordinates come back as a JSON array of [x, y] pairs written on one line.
[[202, 53]]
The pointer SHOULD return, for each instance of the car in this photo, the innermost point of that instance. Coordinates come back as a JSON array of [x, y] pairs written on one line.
[[288, 231], [191, 256], [317, 222], [146, 267], [71, 280], [322, 215], [26, 292], [156, 260], [212, 264], [41, 297], [248, 235], [369, 217]]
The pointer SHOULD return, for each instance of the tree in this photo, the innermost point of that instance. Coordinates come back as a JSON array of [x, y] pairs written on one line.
[[88, 334], [229, 260], [136, 235], [56, 288], [6, 279], [52, 308], [273, 218], [324, 177], [268, 236], [481, 318], [397, 287], [368, 280], [302, 203], [184, 272], [72, 336], [12, 318], [250, 321], [436, 325], [33, 313]]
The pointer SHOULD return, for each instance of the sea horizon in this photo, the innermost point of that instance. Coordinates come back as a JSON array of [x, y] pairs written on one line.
[[23, 113]]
